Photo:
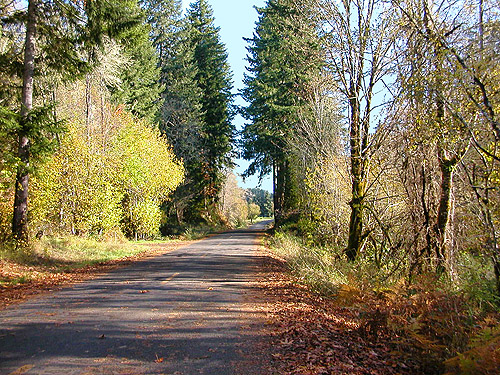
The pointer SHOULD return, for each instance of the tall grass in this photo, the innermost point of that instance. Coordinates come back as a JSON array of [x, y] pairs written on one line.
[[326, 269], [78, 252], [68, 252], [314, 266]]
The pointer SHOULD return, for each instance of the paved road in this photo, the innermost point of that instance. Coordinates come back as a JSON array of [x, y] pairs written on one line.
[[181, 313]]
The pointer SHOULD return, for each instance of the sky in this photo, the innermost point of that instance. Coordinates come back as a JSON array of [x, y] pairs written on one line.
[[236, 19]]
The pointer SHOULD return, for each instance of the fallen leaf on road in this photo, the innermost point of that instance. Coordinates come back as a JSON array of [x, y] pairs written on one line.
[[22, 370]]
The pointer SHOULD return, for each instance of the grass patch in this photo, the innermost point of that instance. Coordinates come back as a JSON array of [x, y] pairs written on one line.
[[51, 257], [196, 233], [15, 280], [325, 269], [312, 266], [74, 252]]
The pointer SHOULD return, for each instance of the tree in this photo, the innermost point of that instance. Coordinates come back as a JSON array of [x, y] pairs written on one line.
[[253, 212], [232, 202], [180, 116], [263, 199], [319, 142], [455, 47], [164, 19], [140, 87], [359, 41], [213, 78], [150, 174], [104, 181], [63, 29], [283, 57]]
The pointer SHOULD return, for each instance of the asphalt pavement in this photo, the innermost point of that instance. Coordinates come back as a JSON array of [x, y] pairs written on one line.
[[185, 312]]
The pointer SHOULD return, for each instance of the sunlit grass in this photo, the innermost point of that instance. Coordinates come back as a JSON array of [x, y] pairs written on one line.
[[54, 255], [316, 267], [75, 252]]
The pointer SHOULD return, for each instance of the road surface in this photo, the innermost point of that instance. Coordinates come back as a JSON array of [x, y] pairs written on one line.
[[181, 313]]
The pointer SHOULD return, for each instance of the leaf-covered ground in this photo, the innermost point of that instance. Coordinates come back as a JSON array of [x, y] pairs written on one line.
[[316, 335]]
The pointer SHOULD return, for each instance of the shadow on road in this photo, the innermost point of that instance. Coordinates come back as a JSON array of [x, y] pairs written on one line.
[[181, 313]]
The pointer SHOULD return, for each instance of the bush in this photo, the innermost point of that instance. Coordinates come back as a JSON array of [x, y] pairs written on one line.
[[6, 205], [75, 191]]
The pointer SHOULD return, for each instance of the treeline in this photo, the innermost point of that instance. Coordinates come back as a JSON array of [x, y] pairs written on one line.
[[115, 117], [240, 205], [380, 123]]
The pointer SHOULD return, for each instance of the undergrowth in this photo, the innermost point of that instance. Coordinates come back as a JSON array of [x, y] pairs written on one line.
[[52, 255], [67, 251], [447, 326], [80, 252], [195, 233]]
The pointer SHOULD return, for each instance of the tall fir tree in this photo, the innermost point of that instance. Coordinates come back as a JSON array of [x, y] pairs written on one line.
[[213, 77], [164, 17], [180, 115], [283, 58], [140, 87]]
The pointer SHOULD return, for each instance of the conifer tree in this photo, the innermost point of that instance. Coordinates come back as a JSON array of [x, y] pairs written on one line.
[[140, 88], [213, 78], [180, 113], [283, 57]]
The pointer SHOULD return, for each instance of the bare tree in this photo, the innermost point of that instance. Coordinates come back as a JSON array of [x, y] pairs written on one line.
[[359, 38]]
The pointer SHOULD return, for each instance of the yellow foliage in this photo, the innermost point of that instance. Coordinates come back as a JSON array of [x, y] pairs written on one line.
[[6, 204], [233, 205], [348, 295], [149, 169], [328, 190], [76, 189], [82, 188]]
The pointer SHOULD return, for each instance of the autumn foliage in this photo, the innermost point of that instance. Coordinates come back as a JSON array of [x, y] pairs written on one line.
[[346, 318], [109, 175]]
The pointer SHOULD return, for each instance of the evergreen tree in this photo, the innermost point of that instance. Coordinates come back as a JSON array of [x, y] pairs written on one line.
[[263, 199], [180, 115], [213, 78], [140, 88], [283, 57], [164, 17]]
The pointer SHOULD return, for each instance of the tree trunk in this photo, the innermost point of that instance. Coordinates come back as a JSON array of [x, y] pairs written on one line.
[[88, 105], [496, 268], [279, 191], [290, 195], [355, 238], [355, 230], [443, 217], [20, 217]]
